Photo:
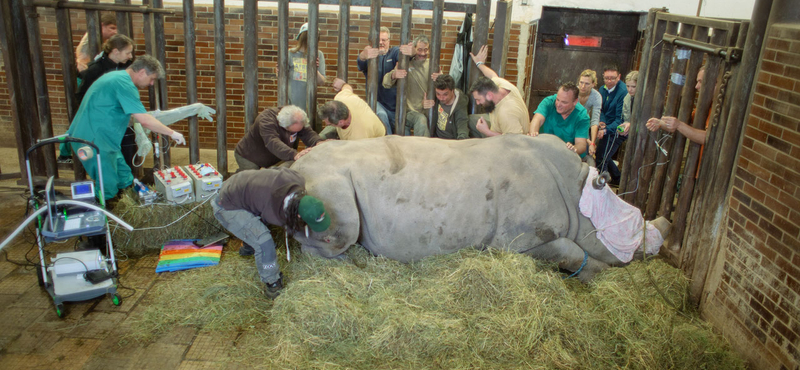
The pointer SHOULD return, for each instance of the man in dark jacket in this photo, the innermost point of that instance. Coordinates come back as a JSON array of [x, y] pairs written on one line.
[[250, 200], [613, 94], [274, 137], [117, 55], [387, 59], [450, 116]]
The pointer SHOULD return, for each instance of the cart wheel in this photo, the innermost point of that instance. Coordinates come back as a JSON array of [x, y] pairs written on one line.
[[39, 275], [116, 299], [60, 312]]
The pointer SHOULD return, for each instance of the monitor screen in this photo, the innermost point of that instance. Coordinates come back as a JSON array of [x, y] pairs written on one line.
[[83, 190]]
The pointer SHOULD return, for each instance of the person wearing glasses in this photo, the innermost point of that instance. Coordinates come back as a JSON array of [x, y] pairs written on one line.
[[613, 94]]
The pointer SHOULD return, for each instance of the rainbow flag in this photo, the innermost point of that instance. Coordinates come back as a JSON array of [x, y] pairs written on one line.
[[179, 255]]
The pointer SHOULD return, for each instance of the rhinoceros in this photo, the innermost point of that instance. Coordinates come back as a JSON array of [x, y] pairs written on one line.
[[407, 198]]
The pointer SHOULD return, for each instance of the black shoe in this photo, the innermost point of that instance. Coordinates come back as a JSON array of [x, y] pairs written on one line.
[[64, 159], [273, 290], [246, 250]]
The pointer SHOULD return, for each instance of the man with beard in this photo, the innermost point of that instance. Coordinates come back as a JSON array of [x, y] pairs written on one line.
[[416, 87], [508, 113], [387, 59], [562, 116]]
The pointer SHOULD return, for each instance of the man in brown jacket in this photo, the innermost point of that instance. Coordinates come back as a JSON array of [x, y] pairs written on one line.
[[274, 137]]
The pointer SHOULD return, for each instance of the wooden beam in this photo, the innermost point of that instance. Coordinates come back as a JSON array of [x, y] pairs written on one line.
[[221, 87], [502, 29], [250, 63], [344, 39], [311, 57], [283, 52], [436, 52], [190, 57], [405, 37]]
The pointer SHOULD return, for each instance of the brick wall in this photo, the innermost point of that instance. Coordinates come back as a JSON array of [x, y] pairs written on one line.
[[754, 292], [267, 56]]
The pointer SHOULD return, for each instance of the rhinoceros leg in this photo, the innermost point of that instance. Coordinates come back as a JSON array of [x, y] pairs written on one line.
[[569, 256]]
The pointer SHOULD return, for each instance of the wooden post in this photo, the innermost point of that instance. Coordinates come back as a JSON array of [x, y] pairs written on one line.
[[221, 87], [250, 63], [20, 84], [124, 20], [40, 83], [645, 105], [684, 114], [149, 47], [283, 52], [94, 42], [344, 39], [373, 78], [69, 73], [311, 57], [657, 96], [637, 125], [502, 29], [161, 55], [677, 82], [479, 38], [707, 231], [190, 56], [435, 55], [687, 185], [407, 7]]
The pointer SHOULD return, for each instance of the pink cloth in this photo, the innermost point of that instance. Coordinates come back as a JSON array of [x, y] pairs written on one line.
[[618, 224]]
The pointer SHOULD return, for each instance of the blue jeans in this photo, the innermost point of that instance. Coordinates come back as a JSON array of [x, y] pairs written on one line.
[[249, 228], [386, 116], [606, 149]]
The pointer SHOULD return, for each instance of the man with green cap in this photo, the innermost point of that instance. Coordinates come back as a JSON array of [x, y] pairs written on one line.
[[249, 200]]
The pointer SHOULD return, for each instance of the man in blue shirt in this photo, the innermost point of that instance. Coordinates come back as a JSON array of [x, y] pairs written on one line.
[[613, 94], [387, 59], [104, 115], [561, 115]]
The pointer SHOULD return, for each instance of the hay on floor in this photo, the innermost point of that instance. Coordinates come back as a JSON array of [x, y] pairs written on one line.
[[198, 224], [472, 309]]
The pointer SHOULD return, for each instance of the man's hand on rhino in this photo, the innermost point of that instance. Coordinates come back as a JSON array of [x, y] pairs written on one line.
[[533, 133], [572, 148], [301, 153]]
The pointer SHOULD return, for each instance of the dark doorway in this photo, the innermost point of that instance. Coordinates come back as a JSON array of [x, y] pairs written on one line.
[[570, 40]]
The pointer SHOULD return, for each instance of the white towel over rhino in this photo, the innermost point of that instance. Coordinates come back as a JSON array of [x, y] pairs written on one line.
[[407, 198]]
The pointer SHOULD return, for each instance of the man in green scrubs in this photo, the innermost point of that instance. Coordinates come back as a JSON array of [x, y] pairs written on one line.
[[561, 115], [104, 116]]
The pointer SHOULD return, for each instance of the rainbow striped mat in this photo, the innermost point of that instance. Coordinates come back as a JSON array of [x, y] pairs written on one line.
[[179, 255]]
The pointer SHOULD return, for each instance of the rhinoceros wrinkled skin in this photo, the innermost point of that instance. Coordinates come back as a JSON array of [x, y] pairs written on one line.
[[407, 198]]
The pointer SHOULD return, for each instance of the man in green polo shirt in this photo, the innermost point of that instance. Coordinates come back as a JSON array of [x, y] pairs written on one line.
[[561, 115], [104, 116]]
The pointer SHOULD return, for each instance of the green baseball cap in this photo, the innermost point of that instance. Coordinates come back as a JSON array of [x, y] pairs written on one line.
[[312, 211]]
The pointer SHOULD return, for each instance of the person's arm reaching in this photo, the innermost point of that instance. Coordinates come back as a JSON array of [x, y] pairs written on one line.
[[151, 123], [480, 61], [672, 124], [536, 124]]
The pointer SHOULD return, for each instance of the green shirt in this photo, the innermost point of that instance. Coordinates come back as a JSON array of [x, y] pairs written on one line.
[[576, 125], [106, 110]]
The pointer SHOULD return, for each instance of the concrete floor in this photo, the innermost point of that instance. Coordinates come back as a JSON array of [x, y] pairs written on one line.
[[33, 337]]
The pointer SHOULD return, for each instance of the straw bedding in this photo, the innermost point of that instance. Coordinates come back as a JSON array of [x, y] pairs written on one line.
[[472, 309]]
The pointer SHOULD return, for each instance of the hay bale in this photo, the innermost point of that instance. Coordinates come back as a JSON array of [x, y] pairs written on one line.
[[471, 309], [198, 224]]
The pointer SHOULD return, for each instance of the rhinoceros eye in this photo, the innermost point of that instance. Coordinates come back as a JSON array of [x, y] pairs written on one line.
[[327, 239]]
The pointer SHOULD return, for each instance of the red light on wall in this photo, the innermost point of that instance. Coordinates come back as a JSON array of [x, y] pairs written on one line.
[[585, 41]]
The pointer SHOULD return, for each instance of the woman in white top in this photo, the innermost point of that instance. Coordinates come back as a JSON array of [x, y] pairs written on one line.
[[591, 100], [298, 69]]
